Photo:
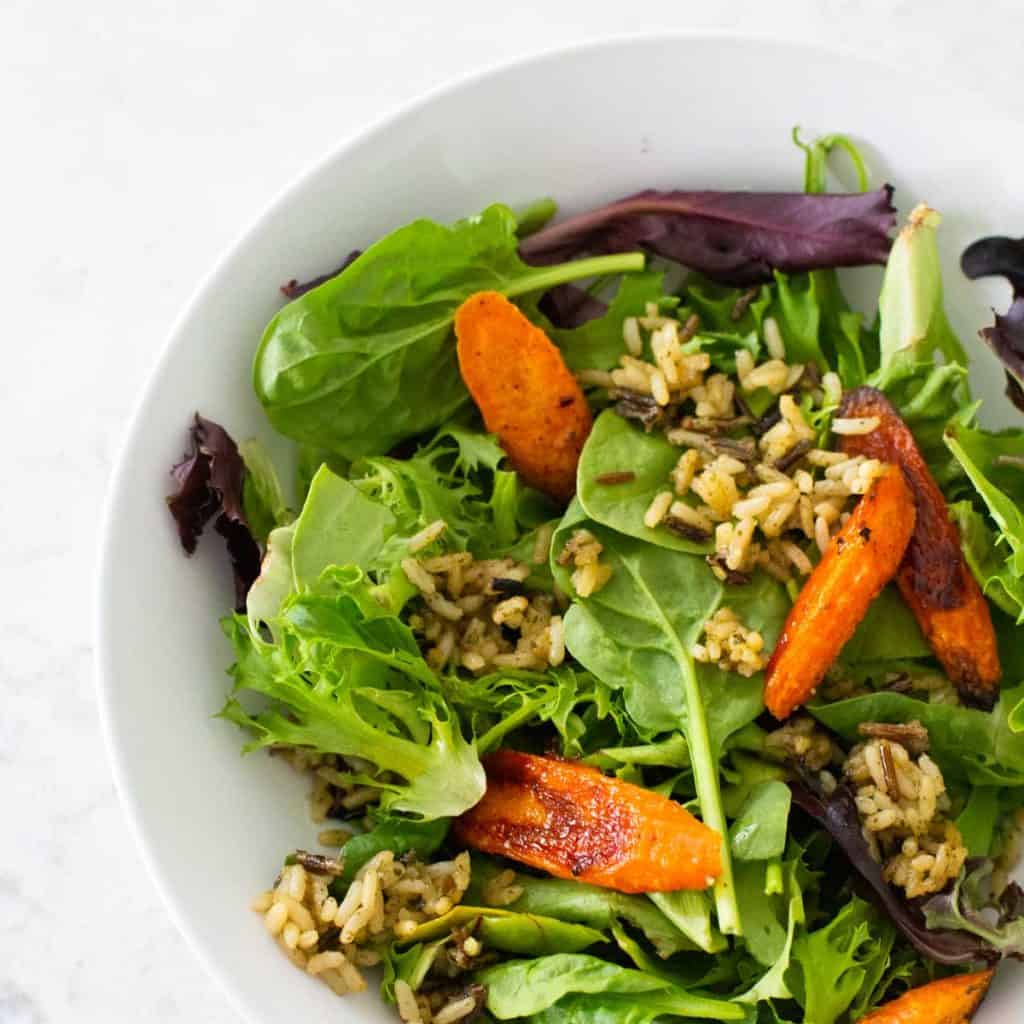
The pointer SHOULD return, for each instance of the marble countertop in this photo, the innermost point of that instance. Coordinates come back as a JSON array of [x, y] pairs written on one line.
[[140, 140]]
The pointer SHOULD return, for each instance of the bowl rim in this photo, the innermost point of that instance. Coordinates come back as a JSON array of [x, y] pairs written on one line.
[[103, 628]]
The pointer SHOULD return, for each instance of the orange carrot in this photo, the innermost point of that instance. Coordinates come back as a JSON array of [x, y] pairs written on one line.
[[862, 557], [524, 390], [948, 1001], [573, 822], [934, 579]]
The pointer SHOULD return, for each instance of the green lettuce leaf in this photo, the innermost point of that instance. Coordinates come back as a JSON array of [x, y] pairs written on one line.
[[510, 932], [973, 746], [263, 499], [912, 315], [637, 632], [830, 966], [367, 359], [522, 988], [615, 445], [759, 833], [501, 702], [993, 464], [598, 344], [580, 903], [346, 678]]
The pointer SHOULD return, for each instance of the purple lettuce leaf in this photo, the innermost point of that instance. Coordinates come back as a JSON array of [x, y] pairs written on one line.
[[735, 238], [568, 306], [837, 815], [1003, 257], [294, 288], [973, 906], [209, 479]]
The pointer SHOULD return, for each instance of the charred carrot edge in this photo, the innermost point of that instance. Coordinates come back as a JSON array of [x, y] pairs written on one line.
[[862, 557], [935, 580], [573, 822], [524, 390], [948, 1001]]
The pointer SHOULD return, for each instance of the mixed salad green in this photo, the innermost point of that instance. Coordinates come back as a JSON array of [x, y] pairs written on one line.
[[360, 371]]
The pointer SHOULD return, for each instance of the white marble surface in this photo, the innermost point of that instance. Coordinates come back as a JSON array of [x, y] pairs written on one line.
[[139, 139]]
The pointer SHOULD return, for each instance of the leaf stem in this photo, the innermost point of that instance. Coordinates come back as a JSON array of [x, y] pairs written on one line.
[[705, 777], [544, 278]]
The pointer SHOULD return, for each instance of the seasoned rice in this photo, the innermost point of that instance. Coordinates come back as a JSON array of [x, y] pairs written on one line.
[[903, 806], [795, 492], [727, 643], [478, 614], [333, 939]]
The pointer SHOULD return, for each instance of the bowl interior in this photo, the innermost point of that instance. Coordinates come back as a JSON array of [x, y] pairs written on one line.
[[580, 126]]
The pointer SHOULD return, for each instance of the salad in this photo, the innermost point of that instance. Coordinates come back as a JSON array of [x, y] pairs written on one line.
[[645, 618]]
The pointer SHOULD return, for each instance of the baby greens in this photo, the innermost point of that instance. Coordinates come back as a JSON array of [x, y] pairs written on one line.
[[637, 633], [367, 359], [614, 446], [346, 678]]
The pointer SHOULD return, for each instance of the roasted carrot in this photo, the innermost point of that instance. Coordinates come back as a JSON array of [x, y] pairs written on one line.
[[524, 390], [573, 822], [948, 1001], [862, 557], [934, 578]]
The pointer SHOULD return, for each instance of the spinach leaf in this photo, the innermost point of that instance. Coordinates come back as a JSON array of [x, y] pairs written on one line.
[[972, 746], [598, 344], [585, 904], [400, 835], [637, 633], [616, 445], [521, 988], [690, 912], [347, 678], [760, 831], [367, 359], [888, 631], [510, 932], [637, 1008]]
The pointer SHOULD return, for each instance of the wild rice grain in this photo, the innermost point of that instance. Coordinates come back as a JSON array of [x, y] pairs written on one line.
[[276, 918], [455, 1010], [855, 425], [419, 577], [427, 536], [822, 536], [408, 1008], [631, 336], [773, 338], [658, 509]]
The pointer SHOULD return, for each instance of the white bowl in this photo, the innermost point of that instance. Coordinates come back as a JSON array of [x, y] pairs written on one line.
[[581, 126]]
